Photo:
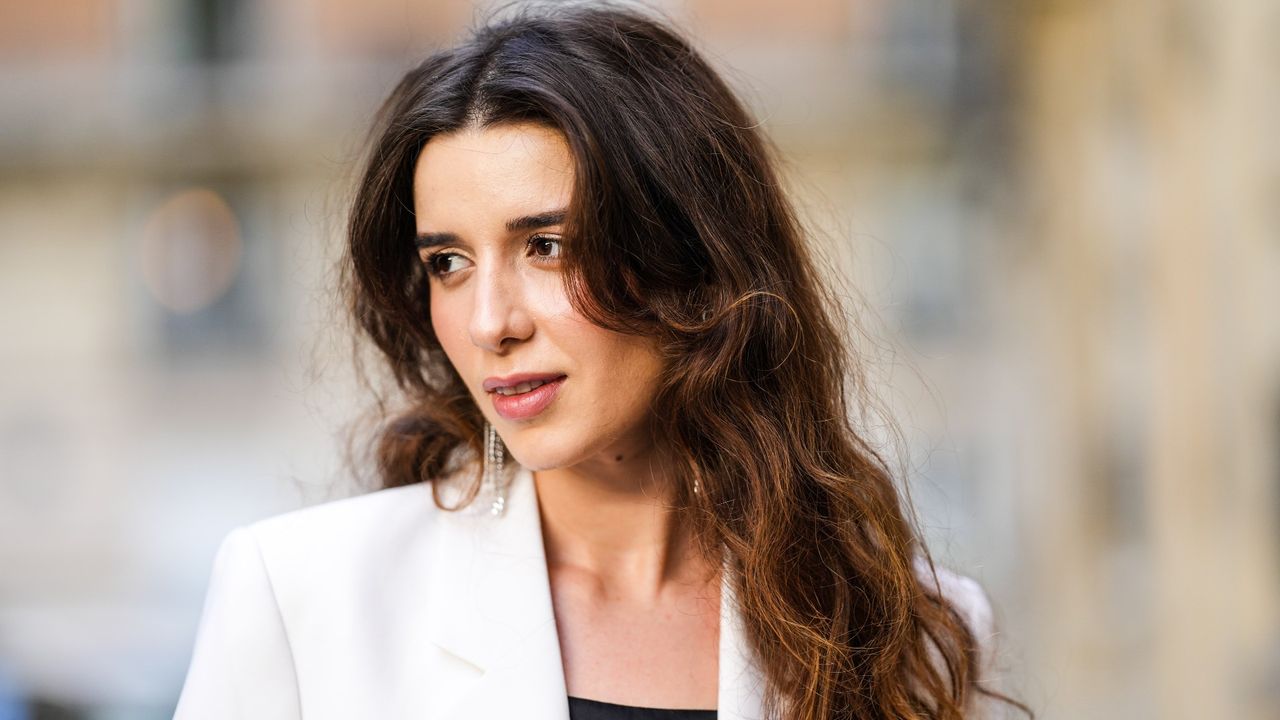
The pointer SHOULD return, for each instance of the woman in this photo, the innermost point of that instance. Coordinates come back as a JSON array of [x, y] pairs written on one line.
[[622, 482]]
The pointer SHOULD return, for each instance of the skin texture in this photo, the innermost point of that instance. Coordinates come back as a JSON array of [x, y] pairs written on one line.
[[637, 614], [503, 308]]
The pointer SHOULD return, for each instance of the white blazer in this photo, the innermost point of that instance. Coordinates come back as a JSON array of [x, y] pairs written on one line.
[[384, 606]]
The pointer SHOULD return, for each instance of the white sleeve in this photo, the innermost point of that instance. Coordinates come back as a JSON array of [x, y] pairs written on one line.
[[968, 597], [242, 666], [975, 605]]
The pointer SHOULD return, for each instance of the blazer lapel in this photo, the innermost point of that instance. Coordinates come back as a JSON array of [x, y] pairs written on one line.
[[489, 605]]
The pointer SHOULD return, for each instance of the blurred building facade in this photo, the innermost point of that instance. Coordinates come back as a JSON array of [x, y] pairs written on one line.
[[1057, 222]]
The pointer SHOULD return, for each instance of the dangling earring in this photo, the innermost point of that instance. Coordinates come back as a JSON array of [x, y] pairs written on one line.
[[493, 484]]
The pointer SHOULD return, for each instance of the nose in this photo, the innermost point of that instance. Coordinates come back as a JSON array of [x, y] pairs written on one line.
[[498, 314]]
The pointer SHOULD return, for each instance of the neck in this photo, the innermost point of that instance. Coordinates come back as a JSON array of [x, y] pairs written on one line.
[[611, 519]]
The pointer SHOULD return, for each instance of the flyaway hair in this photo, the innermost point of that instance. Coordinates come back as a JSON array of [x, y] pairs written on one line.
[[679, 230]]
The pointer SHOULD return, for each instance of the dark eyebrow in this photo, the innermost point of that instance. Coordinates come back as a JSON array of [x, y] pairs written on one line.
[[533, 222], [426, 240], [525, 222]]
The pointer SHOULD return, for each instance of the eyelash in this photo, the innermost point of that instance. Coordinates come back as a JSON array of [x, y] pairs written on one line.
[[432, 260]]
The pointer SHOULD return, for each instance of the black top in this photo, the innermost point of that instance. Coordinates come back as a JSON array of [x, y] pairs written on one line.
[[584, 709]]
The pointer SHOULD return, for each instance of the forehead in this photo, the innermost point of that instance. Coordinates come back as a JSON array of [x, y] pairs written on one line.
[[500, 170]]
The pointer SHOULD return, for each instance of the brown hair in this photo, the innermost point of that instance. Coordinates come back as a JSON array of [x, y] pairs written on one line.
[[678, 230]]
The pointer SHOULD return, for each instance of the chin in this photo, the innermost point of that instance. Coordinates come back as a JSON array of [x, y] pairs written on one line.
[[540, 451], [549, 449], [536, 460]]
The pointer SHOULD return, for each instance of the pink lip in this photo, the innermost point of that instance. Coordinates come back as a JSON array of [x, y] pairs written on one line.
[[526, 405], [493, 383]]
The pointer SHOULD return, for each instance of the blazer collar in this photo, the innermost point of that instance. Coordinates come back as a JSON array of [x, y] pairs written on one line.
[[489, 604]]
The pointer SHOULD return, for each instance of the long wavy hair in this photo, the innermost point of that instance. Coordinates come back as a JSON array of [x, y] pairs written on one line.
[[679, 230]]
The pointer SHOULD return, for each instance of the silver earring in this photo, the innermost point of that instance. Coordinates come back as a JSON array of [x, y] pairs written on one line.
[[493, 482]]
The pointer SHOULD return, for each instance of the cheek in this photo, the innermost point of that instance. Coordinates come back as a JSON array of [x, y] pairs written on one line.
[[626, 369], [447, 322], [631, 380], [549, 300]]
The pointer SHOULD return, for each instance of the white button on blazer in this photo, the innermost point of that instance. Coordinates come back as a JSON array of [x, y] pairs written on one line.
[[384, 606]]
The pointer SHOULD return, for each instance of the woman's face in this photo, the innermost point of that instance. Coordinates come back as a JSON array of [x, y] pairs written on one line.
[[489, 205]]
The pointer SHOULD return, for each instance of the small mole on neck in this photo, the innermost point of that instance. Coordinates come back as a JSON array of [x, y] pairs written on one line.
[[618, 459]]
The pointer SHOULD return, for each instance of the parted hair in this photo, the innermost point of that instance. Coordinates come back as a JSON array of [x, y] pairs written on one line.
[[679, 230]]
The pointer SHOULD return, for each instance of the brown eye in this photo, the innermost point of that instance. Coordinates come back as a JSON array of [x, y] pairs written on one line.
[[442, 264], [547, 247]]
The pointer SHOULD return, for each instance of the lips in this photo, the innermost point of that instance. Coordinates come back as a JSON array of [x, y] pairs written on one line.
[[493, 383], [526, 405]]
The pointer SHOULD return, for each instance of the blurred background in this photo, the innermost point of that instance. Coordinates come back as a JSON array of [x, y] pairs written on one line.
[[1059, 223]]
